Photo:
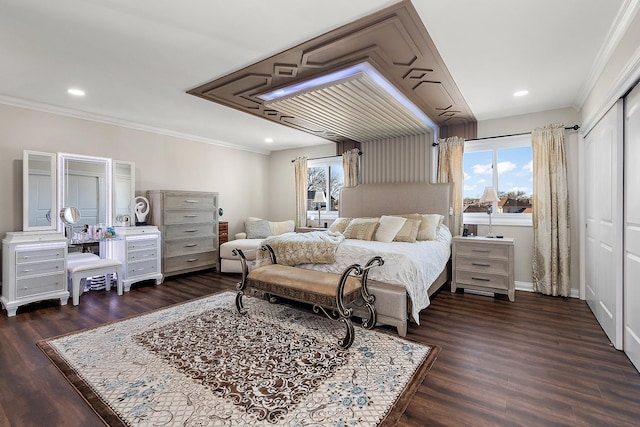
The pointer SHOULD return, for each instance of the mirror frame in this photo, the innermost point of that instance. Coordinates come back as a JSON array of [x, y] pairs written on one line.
[[62, 158], [132, 189], [26, 154]]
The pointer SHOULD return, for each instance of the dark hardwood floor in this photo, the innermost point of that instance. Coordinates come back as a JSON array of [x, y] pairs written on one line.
[[540, 361]]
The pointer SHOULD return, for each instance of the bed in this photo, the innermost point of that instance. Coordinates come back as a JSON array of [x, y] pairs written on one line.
[[412, 271]]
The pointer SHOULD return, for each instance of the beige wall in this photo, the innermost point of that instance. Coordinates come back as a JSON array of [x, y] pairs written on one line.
[[162, 162]]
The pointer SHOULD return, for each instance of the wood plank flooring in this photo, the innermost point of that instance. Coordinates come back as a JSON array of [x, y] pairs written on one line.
[[540, 361]]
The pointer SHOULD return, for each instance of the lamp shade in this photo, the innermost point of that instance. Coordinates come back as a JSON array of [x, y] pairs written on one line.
[[319, 197], [489, 195]]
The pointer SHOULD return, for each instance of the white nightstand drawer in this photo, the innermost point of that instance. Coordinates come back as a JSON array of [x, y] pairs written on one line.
[[482, 265], [146, 254], [142, 244], [485, 280], [40, 255], [480, 250], [142, 267]]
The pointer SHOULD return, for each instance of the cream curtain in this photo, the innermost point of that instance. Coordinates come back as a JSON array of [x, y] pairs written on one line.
[[450, 156], [300, 167], [551, 244], [351, 167]]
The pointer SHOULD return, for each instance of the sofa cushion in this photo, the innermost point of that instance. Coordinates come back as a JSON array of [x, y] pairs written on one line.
[[246, 245]]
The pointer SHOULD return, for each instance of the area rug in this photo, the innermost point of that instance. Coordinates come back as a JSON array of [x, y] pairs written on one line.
[[200, 363]]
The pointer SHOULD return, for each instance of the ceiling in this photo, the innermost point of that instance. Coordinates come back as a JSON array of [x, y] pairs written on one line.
[[137, 60]]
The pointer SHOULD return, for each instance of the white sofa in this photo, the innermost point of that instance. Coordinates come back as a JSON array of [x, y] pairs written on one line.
[[256, 230]]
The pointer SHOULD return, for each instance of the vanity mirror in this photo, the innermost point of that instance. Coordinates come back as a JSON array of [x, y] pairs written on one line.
[[39, 191], [85, 182], [124, 189]]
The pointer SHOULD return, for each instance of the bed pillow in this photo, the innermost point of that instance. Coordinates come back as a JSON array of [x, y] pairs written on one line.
[[361, 228], [280, 227], [340, 224], [430, 227], [388, 228], [257, 229], [408, 232]]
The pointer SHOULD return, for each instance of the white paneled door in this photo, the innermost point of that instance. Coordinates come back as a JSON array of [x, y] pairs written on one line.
[[603, 247], [632, 228]]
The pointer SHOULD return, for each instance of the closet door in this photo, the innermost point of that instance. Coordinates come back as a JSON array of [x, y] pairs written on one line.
[[632, 228], [603, 247]]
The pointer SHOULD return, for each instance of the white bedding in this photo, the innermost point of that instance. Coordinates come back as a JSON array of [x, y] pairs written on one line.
[[412, 265]]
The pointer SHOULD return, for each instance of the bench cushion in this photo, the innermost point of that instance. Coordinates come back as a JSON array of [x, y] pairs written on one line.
[[314, 287]]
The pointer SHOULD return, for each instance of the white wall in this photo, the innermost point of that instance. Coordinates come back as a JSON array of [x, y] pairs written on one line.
[[162, 162]]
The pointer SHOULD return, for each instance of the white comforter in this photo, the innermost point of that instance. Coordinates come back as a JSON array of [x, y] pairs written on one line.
[[413, 265]]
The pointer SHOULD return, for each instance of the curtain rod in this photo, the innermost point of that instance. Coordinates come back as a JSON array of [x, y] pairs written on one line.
[[574, 127], [327, 157]]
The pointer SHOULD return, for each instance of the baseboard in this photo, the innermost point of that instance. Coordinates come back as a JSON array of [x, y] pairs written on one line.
[[528, 287]]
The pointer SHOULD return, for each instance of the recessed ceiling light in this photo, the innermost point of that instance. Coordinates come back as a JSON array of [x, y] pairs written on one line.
[[521, 93], [268, 140], [75, 92]]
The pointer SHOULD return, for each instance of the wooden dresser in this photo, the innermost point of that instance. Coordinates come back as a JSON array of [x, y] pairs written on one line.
[[188, 222], [484, 264]]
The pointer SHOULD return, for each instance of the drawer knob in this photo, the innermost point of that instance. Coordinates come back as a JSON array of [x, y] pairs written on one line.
[[192, 259]]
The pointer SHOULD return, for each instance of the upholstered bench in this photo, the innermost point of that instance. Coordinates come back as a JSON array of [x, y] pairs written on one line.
[[327, 292], [84, 265]]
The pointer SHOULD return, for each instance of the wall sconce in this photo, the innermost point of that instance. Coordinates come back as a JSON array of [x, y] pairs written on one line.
[[319, 199], [489, 196]]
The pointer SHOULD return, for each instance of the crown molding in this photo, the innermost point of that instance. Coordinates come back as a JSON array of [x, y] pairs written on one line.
[[82, 115]]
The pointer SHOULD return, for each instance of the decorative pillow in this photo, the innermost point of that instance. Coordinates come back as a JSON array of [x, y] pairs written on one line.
[[340, 224], [408, 232], [257, 229], [430, 227], [361, 228], [281, 227], [388, 228]]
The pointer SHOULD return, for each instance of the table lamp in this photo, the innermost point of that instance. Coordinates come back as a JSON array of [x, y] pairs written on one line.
[[319, 199], [489, 196]]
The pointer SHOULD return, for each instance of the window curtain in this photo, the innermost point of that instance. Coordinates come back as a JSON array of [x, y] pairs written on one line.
[[300, 168], [450, 156], [551, 240], [351, 167]]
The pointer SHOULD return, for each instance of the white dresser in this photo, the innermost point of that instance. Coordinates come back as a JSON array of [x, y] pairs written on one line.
[[33, 269], [139, 249], [188, 221]]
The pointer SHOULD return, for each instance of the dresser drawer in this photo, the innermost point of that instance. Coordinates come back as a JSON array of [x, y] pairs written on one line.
[[133, 256], [480, 250], [39, 255], [197, 201], [188, 217], [482, 265], [40, 285], [142, 244], [182, 231], [187, 246], [485, 280], [46, 267], [141, 268], [184, 262]]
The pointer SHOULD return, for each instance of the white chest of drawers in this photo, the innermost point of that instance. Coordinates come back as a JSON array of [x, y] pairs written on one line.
[[139, 249], [484, 264], [188, 221], [33, 269]]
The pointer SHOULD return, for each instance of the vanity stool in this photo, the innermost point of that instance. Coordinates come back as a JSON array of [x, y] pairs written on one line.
[[81, 266]]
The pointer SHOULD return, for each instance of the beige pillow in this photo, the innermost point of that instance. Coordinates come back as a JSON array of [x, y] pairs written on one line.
[[340, 224], [281, 227], [388, 228], [361, 229], [430, 227], [408, 232]]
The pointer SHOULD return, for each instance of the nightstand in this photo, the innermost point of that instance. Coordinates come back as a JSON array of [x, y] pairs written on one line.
[[484, 264]]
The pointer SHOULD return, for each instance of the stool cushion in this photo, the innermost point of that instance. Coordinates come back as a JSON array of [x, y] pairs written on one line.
[[94, 265], [74, 259]]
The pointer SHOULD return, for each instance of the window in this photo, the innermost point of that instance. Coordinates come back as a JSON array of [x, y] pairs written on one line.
[[324, 175], [505, 164]]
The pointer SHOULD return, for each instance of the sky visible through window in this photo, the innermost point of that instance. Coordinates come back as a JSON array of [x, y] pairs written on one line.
[[515, 172]]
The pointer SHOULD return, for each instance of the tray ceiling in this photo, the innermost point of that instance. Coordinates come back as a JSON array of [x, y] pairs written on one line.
[[392, 41]]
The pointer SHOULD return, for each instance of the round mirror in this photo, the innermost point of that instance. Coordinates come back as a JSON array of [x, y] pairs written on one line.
[[70, 215]]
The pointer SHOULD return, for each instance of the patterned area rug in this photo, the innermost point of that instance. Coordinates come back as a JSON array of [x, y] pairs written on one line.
[[202, 364]]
